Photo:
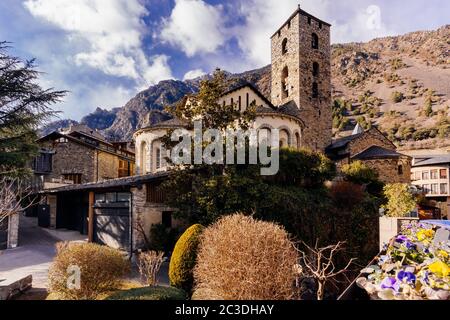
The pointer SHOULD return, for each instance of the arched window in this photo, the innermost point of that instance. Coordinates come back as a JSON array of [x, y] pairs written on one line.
[[315, 90], [264, 135], [158, 158], [284, 83], [297, 142], [400, 169], [315, 41], [284, 138], [316, 69], [143, 158], [284, 48]]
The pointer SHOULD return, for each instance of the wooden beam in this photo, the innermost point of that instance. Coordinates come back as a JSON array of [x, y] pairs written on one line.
[[91, 217]]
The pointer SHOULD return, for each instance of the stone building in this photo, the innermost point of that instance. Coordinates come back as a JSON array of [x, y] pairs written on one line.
[[374, 149], [80, 155], [300, 105]]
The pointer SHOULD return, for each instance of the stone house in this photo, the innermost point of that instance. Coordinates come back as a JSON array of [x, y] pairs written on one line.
[[80, 155], [374, 149]]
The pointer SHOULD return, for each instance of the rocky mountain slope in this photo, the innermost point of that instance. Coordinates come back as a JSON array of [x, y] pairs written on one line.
[[400, 84]]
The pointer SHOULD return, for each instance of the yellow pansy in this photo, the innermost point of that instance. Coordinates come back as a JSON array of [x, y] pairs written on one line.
[[424, 234], [443, 253], [439, 268]]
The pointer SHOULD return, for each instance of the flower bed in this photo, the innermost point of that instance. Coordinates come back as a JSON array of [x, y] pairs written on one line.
[[414, 266]]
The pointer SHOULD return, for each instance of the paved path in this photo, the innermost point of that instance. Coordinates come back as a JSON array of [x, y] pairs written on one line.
[[33, 256]]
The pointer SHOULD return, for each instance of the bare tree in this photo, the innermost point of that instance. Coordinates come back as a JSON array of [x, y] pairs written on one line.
[[149, 264], [318, 264], [13, 195]]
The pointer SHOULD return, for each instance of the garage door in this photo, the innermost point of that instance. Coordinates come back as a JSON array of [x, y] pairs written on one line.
[[112, 223]]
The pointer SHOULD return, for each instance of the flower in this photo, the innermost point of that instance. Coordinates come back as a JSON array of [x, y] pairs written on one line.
[[443, 253], [424, 234], [390, 283], [439, 268], [401, 238], [408, 276], [409, 245]]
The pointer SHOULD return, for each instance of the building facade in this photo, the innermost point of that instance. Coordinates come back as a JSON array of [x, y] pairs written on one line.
[[430, 174], [80, 155], [376, 151], [300, 106]]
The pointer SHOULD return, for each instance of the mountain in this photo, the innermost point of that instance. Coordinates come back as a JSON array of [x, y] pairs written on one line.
[[400, 84]]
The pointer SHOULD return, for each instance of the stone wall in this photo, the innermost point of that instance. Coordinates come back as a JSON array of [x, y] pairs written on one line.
[[388, 169], [145, 215], [72, 158], [108, 166], [315, 111]]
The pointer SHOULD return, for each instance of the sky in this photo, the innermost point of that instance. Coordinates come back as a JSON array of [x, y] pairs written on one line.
[[106, 51]]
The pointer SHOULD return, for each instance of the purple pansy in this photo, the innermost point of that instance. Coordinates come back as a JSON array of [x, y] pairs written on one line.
[[409, 276], [409, 245], [390, 283], [401, 238]]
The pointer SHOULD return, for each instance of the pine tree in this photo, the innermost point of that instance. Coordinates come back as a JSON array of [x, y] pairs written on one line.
[[24, 106]]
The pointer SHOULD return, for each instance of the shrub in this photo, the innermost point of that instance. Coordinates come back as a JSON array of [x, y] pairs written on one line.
[[400, 200], [183, 259], [241, 258], [359, 173], [163, 238], [346, 194], [101, 270], [397, 97], [149, 293], [149, 264]]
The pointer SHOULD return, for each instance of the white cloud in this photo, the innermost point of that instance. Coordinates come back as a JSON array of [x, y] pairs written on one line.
[[105, 35], [262, 18], [195, 27], [366, 24], [194, 74]]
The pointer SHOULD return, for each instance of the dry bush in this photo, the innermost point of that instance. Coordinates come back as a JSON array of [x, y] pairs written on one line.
[[346, 194], [149, 264], [101, 269], [241, 258]]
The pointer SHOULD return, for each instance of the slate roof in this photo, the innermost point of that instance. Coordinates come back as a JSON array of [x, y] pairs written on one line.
[[376, 152], [342, 142], [108, 184], [431, 160]]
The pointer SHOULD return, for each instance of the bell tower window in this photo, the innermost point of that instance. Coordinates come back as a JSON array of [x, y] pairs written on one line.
[[315, 41], [316, 69], [284, 83], [315, 90], [284, 48]]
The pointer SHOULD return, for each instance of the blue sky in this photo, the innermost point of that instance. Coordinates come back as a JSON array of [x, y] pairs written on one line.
[[105, 51]]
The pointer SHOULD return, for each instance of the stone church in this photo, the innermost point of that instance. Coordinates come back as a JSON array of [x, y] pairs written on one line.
[[300, 105]]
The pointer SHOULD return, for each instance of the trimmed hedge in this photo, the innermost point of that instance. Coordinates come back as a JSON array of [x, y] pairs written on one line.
[[149, 293], [184, 257]]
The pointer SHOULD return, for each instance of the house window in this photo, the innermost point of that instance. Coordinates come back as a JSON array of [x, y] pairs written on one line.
[[240, 103], [284, 49], [434, 188], [444, 188], [315, 69], [320, 25], [42, 163], [75, 177], [426, 188], [284, 83], [309, 20], [443, 173], [166, 219], [124, 168], [434, 174], [315, 90], [400, 169], [314, 41], [417, 175], [425, 175], [297, 137], [154, 193]]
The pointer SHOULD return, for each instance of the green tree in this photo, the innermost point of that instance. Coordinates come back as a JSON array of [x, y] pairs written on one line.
[[24, 106], [400, 200]]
